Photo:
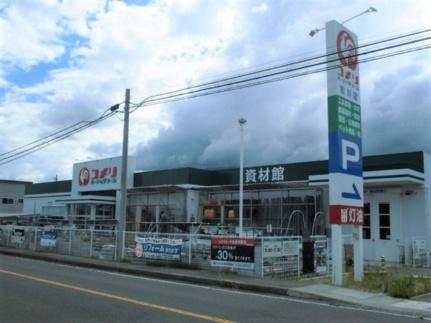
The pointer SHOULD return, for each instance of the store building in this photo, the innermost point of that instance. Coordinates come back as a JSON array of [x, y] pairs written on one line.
[[282, 199], [11, 200]]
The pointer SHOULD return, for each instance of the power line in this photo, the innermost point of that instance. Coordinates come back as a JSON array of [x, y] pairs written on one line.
[[281, 78], [54, 133], [284, 71], [189, 91], [53, 138], [259, 71]]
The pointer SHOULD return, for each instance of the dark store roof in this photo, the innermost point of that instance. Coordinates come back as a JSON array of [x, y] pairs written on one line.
[[293, 172]]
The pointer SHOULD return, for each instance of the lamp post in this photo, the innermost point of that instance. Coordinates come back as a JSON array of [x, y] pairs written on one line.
[[369, 10], [241, 122]]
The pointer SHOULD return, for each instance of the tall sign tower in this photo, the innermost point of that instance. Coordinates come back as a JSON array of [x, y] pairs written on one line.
[[345, 145]]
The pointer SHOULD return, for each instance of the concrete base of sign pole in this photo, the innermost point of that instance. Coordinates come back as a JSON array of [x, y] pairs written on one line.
[[337, 254], [358, 253]]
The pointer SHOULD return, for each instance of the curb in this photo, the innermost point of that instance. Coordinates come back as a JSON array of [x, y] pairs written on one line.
[[154, 274], [291, 292]]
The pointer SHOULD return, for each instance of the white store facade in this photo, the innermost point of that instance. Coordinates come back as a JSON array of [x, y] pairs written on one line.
[[396, 200]]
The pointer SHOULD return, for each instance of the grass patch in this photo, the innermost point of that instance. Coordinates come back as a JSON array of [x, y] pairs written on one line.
[[402, 286], [422, 285], [397, 285], [373, 282]]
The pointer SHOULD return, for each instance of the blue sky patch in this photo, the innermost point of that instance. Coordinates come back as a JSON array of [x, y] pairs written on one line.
[[40, 72], [34, 75]]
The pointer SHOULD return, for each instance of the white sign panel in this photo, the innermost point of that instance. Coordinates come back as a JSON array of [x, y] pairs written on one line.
[[348, 189], [101, 175], [18, 236], [343, 73]]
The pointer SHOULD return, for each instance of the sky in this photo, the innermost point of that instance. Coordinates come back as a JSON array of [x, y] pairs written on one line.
[[66, 61]]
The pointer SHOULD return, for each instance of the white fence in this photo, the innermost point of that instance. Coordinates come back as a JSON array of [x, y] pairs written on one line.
[[280, 257], [84, 243]]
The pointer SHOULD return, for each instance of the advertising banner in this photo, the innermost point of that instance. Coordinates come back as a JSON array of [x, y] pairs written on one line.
[[420, 252], [100, 175], [280, 255], [232, 252], [158, 248], [320, 256], [48, 238], [344, 124], [18, 236]]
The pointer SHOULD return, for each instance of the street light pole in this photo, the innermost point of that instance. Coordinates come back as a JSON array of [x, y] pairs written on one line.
[[369, 10], [123, 190], [241, 122]]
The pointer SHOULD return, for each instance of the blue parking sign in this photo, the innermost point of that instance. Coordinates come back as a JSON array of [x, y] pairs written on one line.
[[345, 154]]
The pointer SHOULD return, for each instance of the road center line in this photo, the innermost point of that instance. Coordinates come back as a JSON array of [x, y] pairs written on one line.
[[120, 298]]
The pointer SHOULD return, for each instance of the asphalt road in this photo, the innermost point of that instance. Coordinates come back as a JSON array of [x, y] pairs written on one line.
[[37, 291]]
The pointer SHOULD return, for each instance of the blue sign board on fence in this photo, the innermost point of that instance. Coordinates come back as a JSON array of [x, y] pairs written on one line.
[[48, 239], [158, 248]]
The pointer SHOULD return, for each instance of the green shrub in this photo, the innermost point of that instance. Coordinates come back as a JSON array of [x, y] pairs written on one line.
[[402, 286]]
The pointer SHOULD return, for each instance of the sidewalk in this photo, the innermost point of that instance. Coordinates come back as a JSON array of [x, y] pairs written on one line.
[[306, 289]]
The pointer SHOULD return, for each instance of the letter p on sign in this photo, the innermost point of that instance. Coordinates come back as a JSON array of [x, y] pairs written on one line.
[[350, 153]]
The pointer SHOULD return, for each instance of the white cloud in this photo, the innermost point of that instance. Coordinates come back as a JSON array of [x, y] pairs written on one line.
[[260, 9], [166, 45]]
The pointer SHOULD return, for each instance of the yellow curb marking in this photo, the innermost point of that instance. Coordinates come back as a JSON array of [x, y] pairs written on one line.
[[121, 298]]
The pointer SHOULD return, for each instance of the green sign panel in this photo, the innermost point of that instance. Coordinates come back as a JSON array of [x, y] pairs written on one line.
[[344, 116]]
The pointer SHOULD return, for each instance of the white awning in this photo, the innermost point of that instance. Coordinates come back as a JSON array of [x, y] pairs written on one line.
[[377, 178], [87, 199]]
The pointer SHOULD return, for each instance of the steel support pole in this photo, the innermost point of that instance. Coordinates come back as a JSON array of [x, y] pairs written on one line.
[[358, 253], [337, 254]]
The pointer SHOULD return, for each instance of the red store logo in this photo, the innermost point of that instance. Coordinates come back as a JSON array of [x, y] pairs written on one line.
[[84, 176], [97, 176], [348, 56]]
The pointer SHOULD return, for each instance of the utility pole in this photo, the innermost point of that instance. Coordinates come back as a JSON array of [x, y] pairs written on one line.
[[123, 190]]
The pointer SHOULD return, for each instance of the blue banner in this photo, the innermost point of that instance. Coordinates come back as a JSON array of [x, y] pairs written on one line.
[[156, 248]]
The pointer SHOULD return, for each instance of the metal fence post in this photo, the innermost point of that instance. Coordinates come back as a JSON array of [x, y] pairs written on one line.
[[8, 237], [123, 245], [35, 238], [190, 248], [262, 250], [116, 245], [91, 241], [70, 241], [299, 263]]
